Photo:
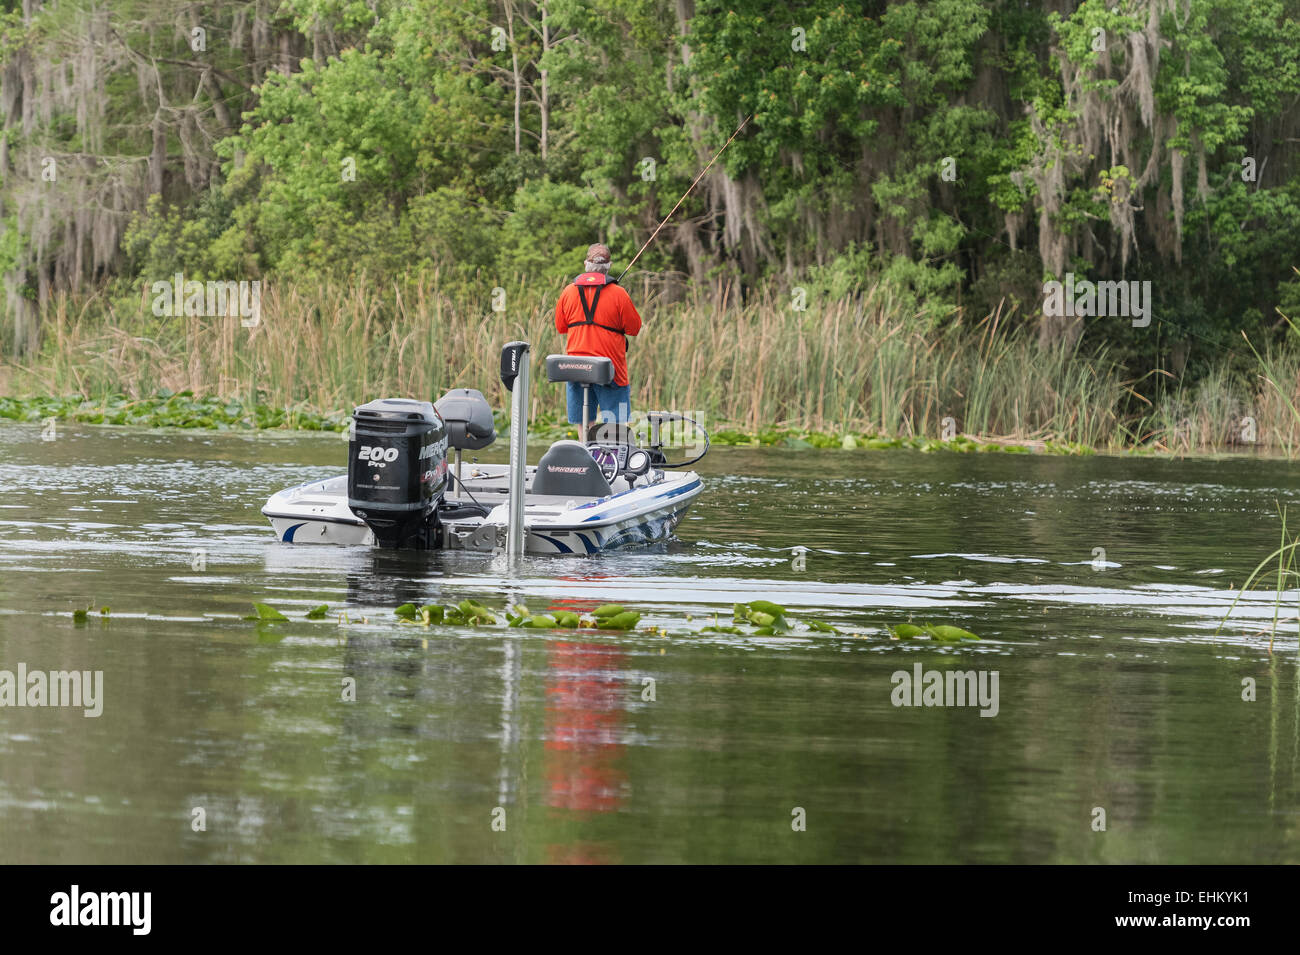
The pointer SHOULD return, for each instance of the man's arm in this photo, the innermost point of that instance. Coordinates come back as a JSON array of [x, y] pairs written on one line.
[[559, 313], [630, 316]]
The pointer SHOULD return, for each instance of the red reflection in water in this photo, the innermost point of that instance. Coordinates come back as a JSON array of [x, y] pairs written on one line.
[[584, 712]]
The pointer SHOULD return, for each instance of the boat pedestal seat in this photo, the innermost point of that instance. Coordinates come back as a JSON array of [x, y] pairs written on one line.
[[469, 419], [582, 369]]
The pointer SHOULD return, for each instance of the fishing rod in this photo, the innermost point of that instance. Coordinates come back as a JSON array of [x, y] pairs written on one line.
[[683, 198]]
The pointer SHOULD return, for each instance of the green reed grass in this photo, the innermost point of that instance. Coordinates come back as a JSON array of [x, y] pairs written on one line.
[[1281, 565], [847, 363]]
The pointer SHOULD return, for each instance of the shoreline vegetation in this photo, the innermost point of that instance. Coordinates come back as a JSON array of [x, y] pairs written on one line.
[[185, 411], [1032, 226], [849, 370]]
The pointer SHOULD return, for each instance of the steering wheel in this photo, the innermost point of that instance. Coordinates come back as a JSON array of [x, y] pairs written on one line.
[[607, 461]]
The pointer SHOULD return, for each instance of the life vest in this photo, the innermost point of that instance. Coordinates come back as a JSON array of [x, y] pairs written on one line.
[[596, 280]]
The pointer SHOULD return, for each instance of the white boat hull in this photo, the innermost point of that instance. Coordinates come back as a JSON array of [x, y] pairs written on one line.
[[317, 512]]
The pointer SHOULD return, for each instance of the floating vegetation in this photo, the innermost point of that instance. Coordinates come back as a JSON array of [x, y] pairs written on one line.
[[81, 615], [265, 612], [758, 618], [767, 617], [169, 409], [874, 442], [605, 617], [553, 428], [942, 633]]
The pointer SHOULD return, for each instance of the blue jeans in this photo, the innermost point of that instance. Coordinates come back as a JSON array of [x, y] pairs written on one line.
[[614, 402]]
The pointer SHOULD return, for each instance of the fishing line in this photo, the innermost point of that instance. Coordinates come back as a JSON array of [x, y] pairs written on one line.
[[971, 229], [684, 195]]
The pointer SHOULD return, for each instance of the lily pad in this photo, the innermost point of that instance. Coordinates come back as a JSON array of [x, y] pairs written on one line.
[[762, 613], [907, 631], [266, 612], [473, 613], [620, 621]]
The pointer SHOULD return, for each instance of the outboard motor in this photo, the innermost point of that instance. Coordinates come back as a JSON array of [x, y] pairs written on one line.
[[397, 470]]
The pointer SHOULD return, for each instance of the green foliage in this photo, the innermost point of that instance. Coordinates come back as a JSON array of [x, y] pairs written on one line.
[[942, 633], [761, 617], [166, 410], [898, 149], [560, 212], [265, 612]]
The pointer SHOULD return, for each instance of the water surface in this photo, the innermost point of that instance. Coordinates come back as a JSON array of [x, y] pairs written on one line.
[[1115, 691]]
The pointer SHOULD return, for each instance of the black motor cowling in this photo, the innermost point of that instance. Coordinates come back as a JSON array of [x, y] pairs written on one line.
[[397, 470]]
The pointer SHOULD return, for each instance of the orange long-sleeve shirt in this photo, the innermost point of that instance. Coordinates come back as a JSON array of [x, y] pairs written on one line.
[[614, 309]]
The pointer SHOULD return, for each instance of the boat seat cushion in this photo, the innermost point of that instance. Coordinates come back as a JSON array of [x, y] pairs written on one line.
[[583, 369], [468, 417], [567, 469]]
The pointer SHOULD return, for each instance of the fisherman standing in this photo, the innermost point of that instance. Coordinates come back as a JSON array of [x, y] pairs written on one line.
[[597, 315]]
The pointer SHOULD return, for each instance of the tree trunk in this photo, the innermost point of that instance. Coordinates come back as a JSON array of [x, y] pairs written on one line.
[[514, 70], [546, 93]]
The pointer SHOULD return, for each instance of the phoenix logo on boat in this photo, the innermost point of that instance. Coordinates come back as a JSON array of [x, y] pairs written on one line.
[[178, 297], [1123, 299], [102, 908], [82, 688], [946, 688], [561, 469]]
